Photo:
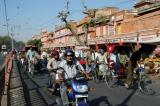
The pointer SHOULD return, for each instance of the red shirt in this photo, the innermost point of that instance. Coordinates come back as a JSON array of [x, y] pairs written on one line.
[[82, 62]]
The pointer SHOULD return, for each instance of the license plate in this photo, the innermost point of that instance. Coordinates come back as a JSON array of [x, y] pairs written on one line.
[[81, 96]]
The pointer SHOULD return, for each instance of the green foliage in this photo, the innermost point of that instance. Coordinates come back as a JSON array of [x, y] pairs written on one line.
[[36, 42], [19, 45], [6, 40], [102, 19]]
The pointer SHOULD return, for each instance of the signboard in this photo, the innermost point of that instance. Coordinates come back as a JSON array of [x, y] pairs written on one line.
[[4, 47], [149, 39], [129, 39], [119, 18], [81, 47], [116, 40]]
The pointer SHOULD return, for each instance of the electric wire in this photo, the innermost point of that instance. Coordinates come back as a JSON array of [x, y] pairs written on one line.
[[6, 17]]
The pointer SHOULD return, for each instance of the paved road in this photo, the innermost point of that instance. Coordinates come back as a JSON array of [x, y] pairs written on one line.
[[102, 96], [119, 96]]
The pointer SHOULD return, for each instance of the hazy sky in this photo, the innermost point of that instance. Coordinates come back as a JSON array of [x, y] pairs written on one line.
[[29, 17]]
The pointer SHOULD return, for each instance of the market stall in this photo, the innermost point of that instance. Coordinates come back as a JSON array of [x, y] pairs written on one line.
[[153, 62]]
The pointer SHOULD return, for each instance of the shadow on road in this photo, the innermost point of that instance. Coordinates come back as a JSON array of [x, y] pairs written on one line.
[[97, 101], [127, 99]]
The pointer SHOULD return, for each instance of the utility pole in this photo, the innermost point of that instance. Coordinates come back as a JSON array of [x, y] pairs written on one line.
[[12, 40]]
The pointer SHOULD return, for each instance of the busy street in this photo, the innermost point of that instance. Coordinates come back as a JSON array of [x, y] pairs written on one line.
[[80, 53], [100, 96]]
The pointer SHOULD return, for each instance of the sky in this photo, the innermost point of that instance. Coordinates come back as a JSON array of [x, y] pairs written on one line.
[[30, 17]]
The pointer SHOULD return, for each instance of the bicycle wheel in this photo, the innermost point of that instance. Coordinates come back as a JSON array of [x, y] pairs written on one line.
[[110, 80], [145, 86], [95, 76]]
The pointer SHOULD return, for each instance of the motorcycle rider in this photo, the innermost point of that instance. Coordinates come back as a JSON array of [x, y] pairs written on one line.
[[70, 68], [70, 65], [53, 66]]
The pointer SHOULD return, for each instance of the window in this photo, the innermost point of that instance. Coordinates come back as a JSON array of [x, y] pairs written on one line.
[[104, 30], [89, 36], [119, 28], [97, 31], [111, 30]]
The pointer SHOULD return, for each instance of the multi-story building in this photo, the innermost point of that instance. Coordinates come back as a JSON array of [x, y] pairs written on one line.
[[46, 39], [143, 27], [36, 37], [81, 30], [63, 36], [103, 26], [142, 24]]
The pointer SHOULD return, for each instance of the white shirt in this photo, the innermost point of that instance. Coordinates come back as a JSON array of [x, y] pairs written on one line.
[[53, 64], [77, 53], [71, 70], [44, 54], [102, 59], [113, 57], [31, 54]]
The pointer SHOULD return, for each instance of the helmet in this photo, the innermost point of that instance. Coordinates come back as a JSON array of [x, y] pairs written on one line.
[[54, 53], [69, 52]]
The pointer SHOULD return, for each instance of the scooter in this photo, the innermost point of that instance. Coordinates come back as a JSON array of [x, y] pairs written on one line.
[[74, 91]]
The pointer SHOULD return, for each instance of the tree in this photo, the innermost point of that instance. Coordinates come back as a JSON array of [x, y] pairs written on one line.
[[89, 12], [35, 42], [6, 40], [19, 45]]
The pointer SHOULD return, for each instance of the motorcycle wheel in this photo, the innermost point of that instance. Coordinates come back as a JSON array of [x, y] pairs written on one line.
[[110, 80], [95, 76], [146, 88], [83, 104], [59, 101]]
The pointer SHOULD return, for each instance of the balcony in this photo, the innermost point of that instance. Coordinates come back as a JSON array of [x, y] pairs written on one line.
[[61, 35], [152, 7]]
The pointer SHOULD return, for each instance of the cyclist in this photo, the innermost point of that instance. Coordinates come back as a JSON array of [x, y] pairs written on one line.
[[102, 62], [31, 56]]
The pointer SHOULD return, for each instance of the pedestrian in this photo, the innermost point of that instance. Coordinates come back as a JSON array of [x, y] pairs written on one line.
[[132, 64]]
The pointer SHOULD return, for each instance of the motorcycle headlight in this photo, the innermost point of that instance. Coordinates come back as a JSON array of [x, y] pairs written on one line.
[[81, 88]]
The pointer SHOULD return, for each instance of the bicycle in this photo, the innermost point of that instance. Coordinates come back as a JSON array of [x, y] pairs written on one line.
[[142, 80], [94, 71], [110, 78]]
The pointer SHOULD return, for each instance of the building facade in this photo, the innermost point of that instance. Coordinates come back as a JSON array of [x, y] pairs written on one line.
[[112, 26]]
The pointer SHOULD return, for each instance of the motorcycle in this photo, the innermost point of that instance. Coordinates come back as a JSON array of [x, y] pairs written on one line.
[[74, 91], [40, 66]]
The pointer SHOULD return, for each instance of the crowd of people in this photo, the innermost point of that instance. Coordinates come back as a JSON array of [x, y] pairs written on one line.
[[68, 63]]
